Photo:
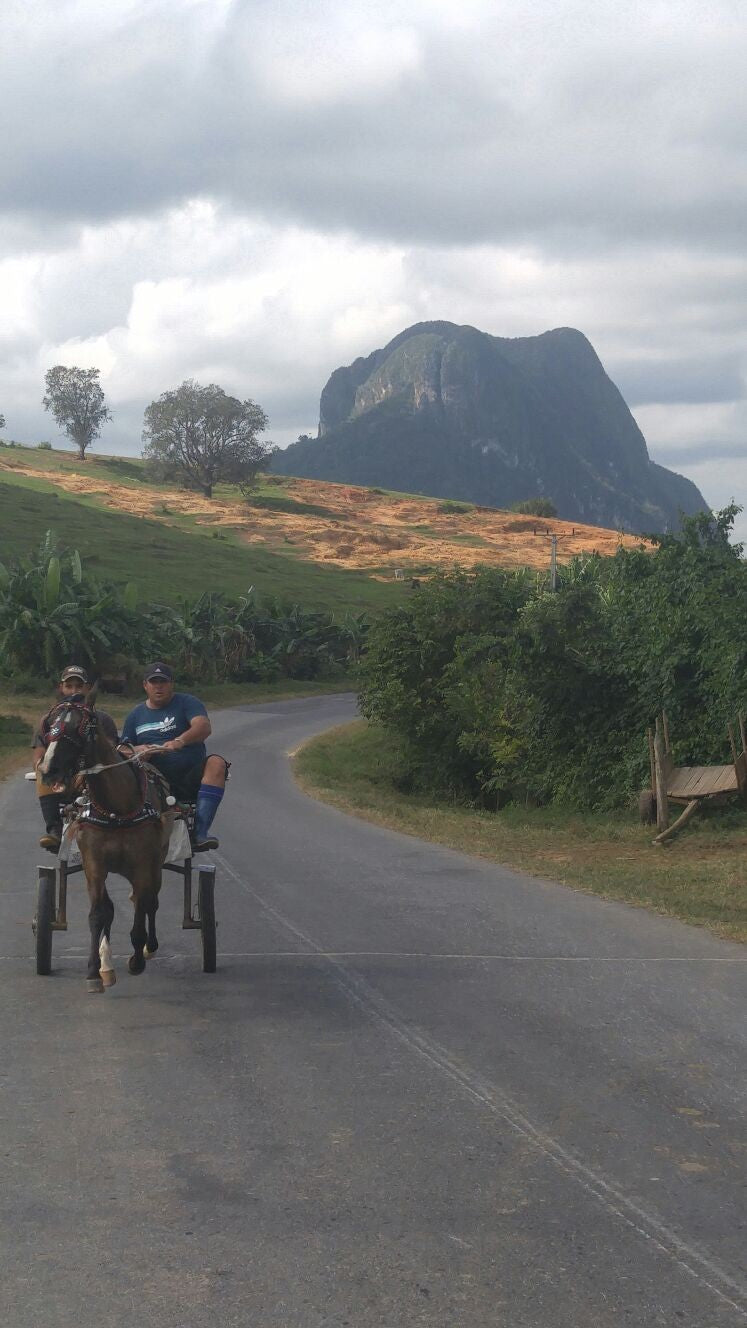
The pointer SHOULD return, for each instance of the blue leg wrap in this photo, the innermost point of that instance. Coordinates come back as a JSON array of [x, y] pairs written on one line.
[[208, 799]]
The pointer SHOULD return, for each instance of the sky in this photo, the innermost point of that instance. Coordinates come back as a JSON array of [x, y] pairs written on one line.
[[253, 193]]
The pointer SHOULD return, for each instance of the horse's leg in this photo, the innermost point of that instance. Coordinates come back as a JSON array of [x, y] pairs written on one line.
[[100, 917], [138, 935], [151, 908], [106, 967]]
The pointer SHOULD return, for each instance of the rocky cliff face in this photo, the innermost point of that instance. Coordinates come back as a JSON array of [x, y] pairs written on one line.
[[452, 412]]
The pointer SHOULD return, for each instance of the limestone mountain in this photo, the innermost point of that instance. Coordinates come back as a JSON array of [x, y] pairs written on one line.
[[456, 413]]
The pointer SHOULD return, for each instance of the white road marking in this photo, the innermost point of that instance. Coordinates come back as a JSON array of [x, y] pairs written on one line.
[[644, 1223]]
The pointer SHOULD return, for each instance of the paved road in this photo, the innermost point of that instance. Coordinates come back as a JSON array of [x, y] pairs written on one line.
[[419, 1090]]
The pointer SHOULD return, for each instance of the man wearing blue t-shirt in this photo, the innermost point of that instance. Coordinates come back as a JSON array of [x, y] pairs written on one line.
[[171, 728]]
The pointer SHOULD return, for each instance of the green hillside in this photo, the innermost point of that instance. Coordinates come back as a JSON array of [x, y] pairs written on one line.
[[167, 562]]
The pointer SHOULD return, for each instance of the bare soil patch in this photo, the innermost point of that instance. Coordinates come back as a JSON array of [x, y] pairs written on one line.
[[364, 529]]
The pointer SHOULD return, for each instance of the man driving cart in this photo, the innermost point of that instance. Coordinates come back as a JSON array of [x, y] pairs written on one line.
[[170, 728]]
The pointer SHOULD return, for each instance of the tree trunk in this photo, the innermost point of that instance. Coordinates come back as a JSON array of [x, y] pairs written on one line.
[[207, 489]]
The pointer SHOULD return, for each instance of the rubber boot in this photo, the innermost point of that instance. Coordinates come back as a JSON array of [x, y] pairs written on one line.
[[50, 804]]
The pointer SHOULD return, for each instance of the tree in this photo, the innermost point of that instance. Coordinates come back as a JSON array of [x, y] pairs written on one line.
[[536, 507], [76, 399], [2, 421], [199, 436]]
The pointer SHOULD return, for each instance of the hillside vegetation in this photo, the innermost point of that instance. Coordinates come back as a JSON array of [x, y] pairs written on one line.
[[496, 690], [328, 545]]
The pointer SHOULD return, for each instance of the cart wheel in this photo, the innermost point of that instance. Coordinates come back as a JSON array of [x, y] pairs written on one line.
[[45, 908], [647, 807], [206, 910]]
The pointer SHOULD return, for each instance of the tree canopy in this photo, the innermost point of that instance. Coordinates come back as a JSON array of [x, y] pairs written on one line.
[[200, 436], [76, 400], [536, 507], [497, 688]]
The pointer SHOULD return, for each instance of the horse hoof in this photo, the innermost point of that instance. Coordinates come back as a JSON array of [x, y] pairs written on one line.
[[108, 977], [150, 954], [135, 965], [94, 986]]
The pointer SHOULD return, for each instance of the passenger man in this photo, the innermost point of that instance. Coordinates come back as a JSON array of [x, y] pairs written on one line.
[[170, 727], [74, 683]]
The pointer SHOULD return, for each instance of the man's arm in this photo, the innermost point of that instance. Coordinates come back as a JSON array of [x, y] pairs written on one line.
[[199, 729]]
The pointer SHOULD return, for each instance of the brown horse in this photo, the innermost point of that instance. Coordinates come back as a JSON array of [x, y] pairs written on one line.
[[125, 830]]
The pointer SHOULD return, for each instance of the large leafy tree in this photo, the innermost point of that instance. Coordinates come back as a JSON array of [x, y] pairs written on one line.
[[200, 436], [76, 400]]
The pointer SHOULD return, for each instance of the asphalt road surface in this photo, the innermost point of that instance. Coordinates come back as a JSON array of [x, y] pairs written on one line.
[[420, 1089]]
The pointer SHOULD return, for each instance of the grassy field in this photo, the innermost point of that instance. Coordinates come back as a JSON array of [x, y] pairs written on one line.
[[327, 545], [701, 877], [168, 561]]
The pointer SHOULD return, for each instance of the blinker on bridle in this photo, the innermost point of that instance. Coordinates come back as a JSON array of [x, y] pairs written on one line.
[[81, 733]]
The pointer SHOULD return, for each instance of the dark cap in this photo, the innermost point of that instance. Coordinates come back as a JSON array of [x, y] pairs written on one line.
[[158, 670], [74, 671]]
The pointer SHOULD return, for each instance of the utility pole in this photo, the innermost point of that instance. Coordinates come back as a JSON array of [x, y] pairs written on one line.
[[553, 553]]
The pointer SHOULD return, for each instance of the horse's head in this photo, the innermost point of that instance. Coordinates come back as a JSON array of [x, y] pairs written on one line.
[[69, 736]]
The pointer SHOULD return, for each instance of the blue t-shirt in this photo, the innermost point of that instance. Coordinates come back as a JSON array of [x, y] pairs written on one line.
[[144, 725]]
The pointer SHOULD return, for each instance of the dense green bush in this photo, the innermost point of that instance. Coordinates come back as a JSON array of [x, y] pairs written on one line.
[[535, 507], [499, 688], [449, 507]]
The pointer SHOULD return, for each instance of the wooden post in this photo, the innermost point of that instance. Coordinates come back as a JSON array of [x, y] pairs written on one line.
[[660, 766], [553, 562], [733, 745], [651, 761], [669, 834], [741, 731], [665, 723]]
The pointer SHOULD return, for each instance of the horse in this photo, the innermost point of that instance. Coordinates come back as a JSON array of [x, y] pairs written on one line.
[[125, 829]]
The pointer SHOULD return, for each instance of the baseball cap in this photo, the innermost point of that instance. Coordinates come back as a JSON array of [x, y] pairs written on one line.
[[74, 671], [158, 670]]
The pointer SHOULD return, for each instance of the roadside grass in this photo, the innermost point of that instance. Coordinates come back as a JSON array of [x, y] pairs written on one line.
[[20, 712], [700, 878], [171, 561]]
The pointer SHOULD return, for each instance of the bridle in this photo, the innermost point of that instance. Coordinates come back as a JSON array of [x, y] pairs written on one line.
[[61, 729], [81, 735]]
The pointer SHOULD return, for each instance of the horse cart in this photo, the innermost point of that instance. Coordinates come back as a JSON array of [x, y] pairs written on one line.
[[198, 913], [688, 787]]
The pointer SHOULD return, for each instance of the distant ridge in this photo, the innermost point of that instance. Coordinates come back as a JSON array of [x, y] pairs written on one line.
[[453, 412]]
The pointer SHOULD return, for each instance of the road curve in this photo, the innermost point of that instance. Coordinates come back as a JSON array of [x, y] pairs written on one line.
[[420, 1090]]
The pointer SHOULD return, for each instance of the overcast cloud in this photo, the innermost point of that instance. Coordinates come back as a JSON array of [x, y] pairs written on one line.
[[254, 193]]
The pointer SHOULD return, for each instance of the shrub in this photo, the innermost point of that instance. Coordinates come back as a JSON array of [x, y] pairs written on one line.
[[452, 508], [497, 687], [535, 507]]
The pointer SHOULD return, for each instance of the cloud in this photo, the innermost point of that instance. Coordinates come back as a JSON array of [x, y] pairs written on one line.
[[391, 120], [255, 192]]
